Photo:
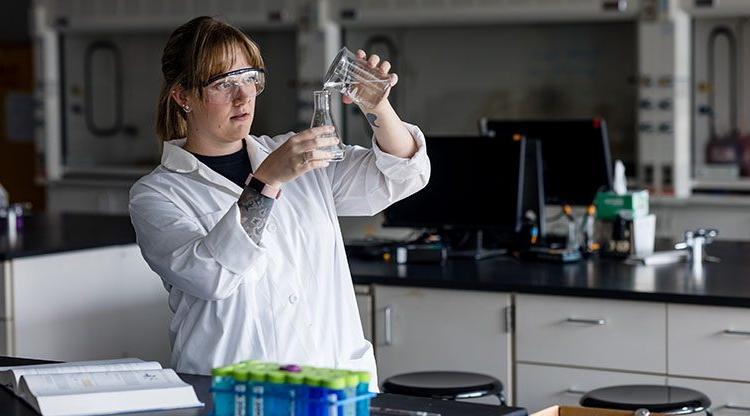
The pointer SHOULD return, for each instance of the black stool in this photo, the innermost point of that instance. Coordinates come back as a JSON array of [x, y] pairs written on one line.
[[655, 398], [445, 385]]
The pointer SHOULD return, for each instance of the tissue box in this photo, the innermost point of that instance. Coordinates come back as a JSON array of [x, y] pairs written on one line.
[[609, 204]]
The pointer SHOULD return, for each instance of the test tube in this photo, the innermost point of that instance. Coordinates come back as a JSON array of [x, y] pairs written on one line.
[[240, 374], [222, 389], [363, 388]]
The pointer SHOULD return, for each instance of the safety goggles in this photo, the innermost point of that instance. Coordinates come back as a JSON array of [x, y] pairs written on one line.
[[223, 88]]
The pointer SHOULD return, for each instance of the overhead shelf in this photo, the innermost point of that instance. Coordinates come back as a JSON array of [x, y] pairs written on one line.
[[716, 8], [116, 16], [396, 12]]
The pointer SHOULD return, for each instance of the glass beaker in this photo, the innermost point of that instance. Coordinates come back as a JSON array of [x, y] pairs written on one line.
[[355, 78], [322, 117]]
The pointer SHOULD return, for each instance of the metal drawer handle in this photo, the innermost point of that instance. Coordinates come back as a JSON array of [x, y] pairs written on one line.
[[388, 311], [587, 321], [575, 392], [732, 407], [734, 332]]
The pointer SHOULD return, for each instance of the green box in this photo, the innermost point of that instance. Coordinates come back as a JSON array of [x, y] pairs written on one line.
[[609, 204]]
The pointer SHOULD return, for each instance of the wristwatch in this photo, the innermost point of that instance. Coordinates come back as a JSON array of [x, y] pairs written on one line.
[[263, 188]]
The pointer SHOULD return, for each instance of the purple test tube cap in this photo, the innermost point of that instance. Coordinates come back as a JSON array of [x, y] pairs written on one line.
[[291, 368]]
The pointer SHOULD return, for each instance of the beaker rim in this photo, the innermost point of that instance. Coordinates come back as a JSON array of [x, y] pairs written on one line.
[[344, 51]]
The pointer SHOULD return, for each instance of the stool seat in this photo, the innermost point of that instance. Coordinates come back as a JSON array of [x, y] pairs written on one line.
[[450, 385], [655, 398]]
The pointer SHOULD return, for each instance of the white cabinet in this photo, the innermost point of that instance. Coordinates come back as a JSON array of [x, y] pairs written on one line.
[[727, 398], [601, 333], [542, 386], [709, 341], [555, 334], [364, 304], [86, 305], [420, 329]]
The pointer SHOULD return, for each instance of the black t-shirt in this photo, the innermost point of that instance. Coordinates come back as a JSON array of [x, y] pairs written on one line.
[[235, 167]]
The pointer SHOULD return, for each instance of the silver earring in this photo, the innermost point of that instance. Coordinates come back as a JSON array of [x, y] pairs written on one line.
[[186, 108]]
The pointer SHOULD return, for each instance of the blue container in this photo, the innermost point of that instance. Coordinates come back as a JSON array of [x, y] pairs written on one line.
[[277, 397], [256, 383], [350, 391], [316, 395], [335, 391], [363, 388], [222, 389], [240, 374]]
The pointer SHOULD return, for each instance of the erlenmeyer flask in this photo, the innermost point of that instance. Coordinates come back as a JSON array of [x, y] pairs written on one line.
[[322, 117]]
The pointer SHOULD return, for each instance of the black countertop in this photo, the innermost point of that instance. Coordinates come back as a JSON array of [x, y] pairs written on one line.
[[10, 405], [726, 283], [43, 233]]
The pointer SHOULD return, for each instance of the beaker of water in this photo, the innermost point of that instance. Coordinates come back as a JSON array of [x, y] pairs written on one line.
[[322, 117], [355, 78]]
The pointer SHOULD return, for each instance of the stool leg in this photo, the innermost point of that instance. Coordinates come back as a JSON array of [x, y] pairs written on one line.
[[501, 397]]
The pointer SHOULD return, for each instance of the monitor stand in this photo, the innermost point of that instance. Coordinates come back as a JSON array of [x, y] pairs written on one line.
[[479, 252]]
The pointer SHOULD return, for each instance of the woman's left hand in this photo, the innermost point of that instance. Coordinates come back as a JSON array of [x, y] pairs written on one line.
[[382, 66]]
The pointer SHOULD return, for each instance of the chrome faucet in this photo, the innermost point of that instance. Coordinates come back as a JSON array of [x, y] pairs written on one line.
[[695, 242]]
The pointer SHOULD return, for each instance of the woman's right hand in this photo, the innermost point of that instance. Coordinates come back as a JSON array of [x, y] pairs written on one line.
[[297, 156]]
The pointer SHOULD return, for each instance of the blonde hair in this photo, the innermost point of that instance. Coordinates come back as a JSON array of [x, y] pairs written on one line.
[[196, 51]]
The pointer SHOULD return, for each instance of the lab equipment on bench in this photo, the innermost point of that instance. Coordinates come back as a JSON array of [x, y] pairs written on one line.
[[253, 388]]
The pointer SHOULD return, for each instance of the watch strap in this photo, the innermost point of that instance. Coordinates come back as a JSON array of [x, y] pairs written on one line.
[[263, 188]]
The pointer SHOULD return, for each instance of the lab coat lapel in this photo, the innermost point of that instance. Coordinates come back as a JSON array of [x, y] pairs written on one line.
[[257, 151], [177, 159]]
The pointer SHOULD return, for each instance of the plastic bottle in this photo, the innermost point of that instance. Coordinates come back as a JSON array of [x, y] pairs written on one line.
[[276, 397], [352, 382], [240, 374], [363, 388], [256, 383], [587, 230], [222, 389], [335, 391], [316, 394], [572, 239], [298, 392]]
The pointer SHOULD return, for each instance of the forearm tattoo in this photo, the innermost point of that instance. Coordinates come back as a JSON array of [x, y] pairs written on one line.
[[371, 118], [254, 212]]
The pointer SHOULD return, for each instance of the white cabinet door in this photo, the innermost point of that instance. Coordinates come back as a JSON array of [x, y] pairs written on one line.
[[364, 304], [727, 398], [89, 305], [419, 329], [709, 341], [600, 333], [542, 386]]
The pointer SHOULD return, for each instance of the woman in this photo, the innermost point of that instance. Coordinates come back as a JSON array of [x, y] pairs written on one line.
[[252, 272]]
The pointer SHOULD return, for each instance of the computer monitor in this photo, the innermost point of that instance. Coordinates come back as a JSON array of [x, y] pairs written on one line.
[[475, 184], [575, 155]]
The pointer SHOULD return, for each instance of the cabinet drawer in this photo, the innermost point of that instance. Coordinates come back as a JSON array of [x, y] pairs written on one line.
[[421, 329], [601, 333], [727, 398], [709, 341], [541, 386]]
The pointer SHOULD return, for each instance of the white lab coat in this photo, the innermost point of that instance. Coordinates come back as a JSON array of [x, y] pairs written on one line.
[[289, 299]]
